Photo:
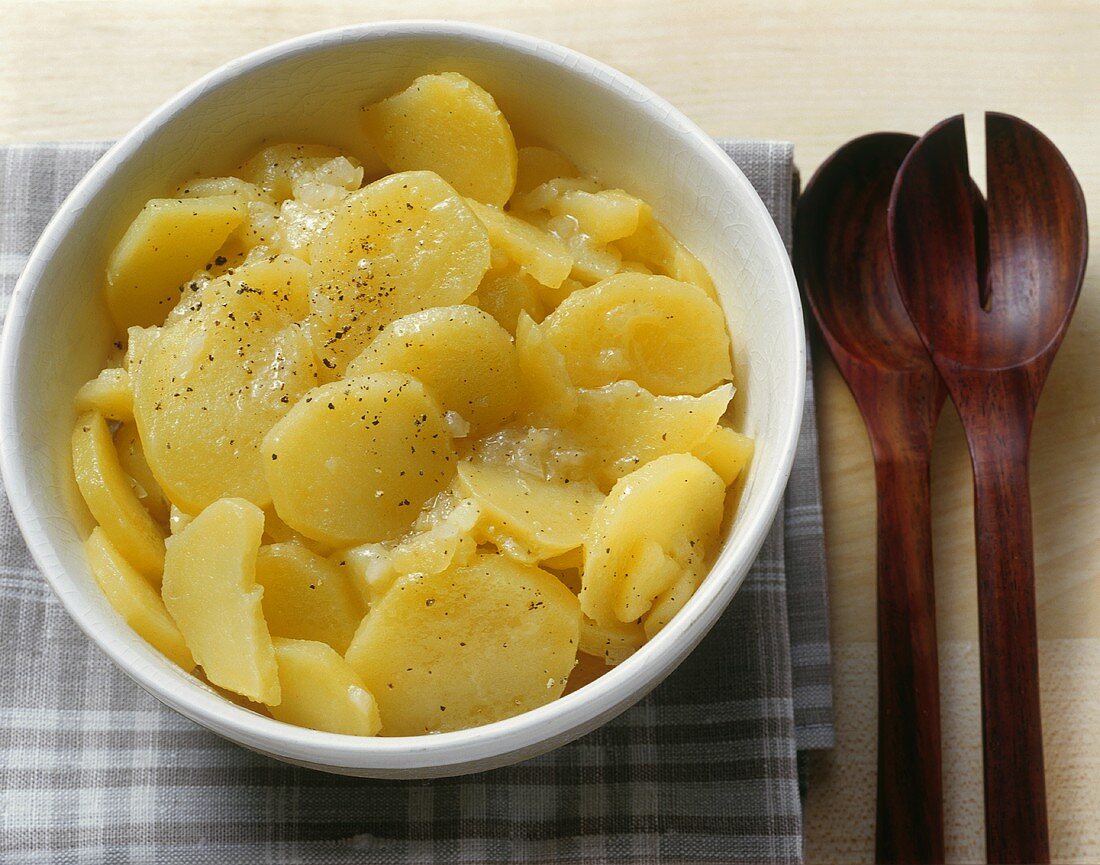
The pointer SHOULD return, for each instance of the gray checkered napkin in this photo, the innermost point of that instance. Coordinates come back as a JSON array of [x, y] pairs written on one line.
[[94, 770]]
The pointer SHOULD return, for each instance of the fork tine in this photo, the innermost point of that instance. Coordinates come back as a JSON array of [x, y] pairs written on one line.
[[941, 267]]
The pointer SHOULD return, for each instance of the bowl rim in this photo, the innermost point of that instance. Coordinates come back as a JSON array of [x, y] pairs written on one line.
[[525, 734]]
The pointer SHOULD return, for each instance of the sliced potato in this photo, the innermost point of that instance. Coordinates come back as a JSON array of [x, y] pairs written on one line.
[[604, 216], [170, 239], [467, 647], [622, 426], [111, 497], [536, 165], [726, 451], [541, 197], [321, 691], [282, 170], [306, 597], [208, 187], [131, 456], [135, 599], [652, 245], [256, 204], [209, 389], [549, 395], [672, 600], [404, 243], [507, 292], [109, 393], [668, 336], [447, 124], [355, 460], [281, 280], [526, 517], [539, 253], [441, 538], [614, 642], [657, 523], [462, 356], [592, 261], [210, 590]]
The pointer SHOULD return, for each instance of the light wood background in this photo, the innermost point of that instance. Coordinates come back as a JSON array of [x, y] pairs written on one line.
[[817, 74]]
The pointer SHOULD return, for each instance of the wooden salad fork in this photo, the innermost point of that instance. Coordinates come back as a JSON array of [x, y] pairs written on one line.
[[991, 287], [842, 258]]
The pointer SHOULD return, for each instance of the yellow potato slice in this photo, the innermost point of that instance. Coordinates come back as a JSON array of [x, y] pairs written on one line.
[[208, 187], [355, 460], [321, 691], [306, 597], [170, 239], [668, 336], [462, 356], [604, 216], [543, 195], [657, 523], [539, 253], [673, 599], [467, 647], [210, 590], [447, 124], [111, 497], [210, 388], [405, 243], [612, 641], [549, 395], [282, 170], [623, 426], [537, 165], [726, 451], [652, 245], [135, 599], [592, 261], [281, 280], [131, 456], [255, 205], [441, 538], [507, 292], [529, 518], [109, 393]]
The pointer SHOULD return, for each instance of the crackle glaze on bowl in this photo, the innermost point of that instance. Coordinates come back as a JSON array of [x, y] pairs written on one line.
[[310, 89]]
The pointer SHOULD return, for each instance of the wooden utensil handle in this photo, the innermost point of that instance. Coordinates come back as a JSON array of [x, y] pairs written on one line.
[[1015, 791], [909, 826]]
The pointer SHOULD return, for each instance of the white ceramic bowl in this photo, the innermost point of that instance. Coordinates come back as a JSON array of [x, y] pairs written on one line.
[[57, 332]]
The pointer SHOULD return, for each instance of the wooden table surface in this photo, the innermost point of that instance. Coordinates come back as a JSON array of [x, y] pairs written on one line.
[[817, 74]]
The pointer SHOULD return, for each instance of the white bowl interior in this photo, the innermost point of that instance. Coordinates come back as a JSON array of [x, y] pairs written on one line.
[[58, 333]]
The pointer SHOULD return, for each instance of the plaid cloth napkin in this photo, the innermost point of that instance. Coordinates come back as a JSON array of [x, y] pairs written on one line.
[[94, 770]]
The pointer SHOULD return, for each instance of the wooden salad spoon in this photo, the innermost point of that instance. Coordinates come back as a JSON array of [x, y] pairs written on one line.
[[842, 258], [991, 288]]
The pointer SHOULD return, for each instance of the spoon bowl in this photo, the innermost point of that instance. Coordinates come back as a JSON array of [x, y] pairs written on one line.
[[842, 254]]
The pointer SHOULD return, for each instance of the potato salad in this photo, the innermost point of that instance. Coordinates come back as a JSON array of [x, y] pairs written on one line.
[[405, 451]]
